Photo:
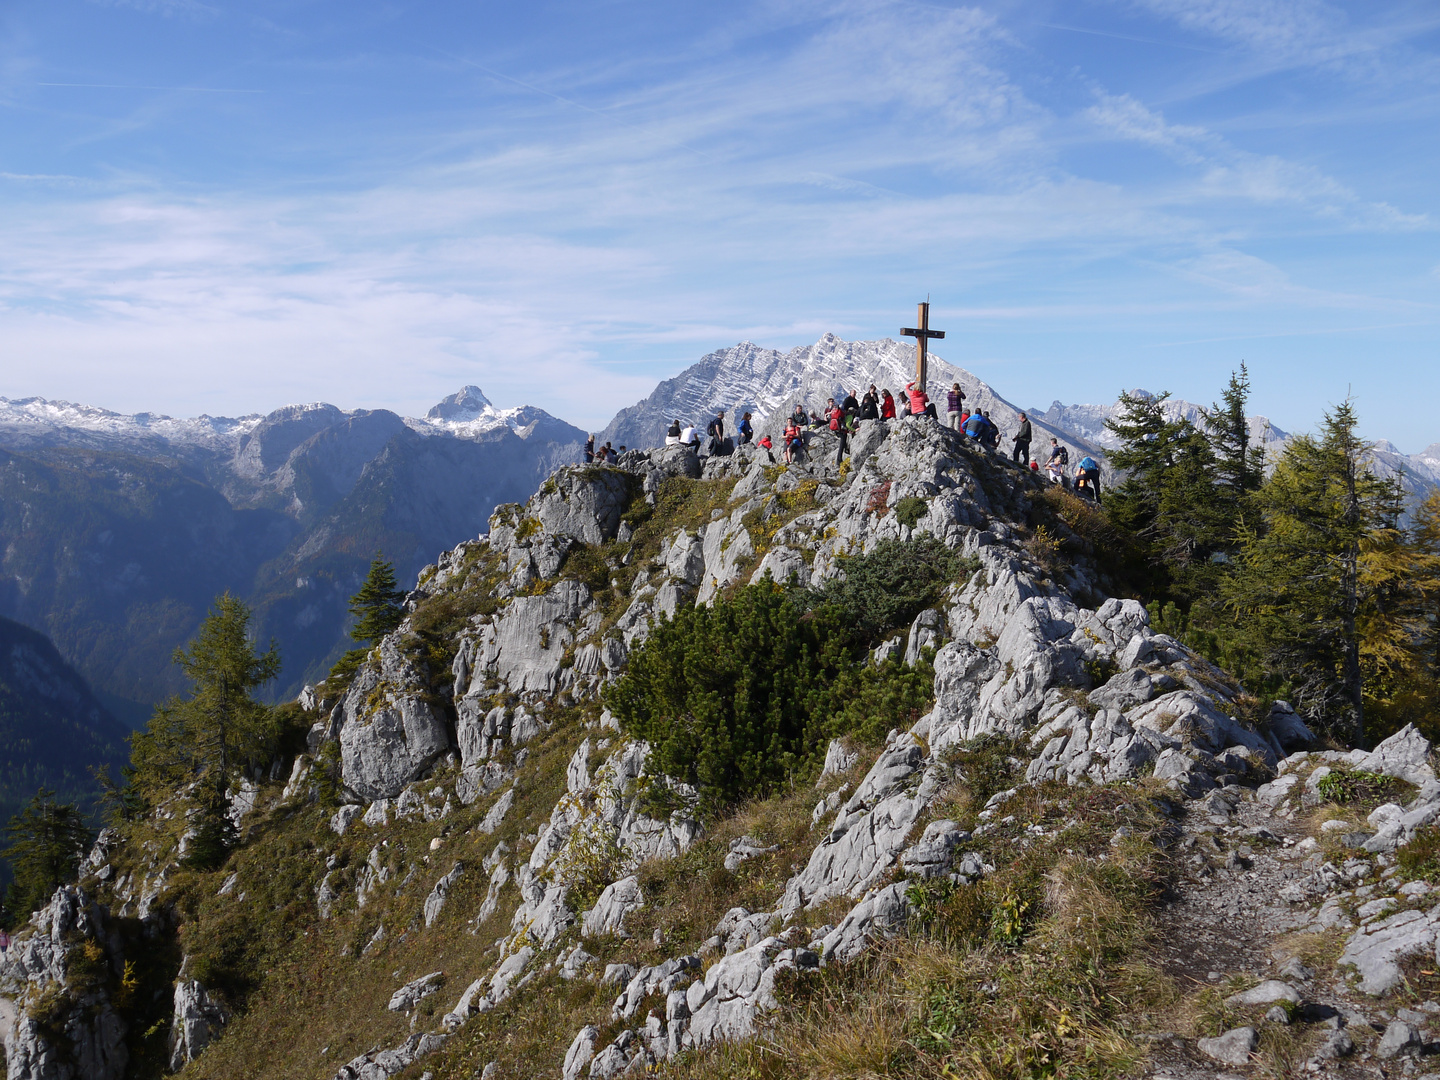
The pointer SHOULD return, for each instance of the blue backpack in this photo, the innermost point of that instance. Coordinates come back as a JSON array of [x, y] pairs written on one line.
[[1088, 464]]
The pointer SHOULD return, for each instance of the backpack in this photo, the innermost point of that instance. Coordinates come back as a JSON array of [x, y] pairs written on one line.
[[1088, 464], [835, 420], [1064, 456]]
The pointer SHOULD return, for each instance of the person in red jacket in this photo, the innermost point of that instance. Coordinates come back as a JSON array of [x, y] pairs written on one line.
[[887, 406]]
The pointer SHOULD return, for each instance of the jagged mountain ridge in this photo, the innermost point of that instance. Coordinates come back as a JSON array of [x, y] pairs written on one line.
[[479, 793], [118, 531], [769, 383]]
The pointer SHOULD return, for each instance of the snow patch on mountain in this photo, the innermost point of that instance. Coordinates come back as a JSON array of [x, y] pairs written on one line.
[[467, 414]]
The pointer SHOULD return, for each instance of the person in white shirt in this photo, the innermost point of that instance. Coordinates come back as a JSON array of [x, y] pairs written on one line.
[[688, 436]]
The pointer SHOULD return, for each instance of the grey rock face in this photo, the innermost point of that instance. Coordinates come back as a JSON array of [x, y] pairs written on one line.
[[435, 902], [882, 915], [391, 734], [415, 991], [926, 632], [618, 900], [581, 1052], [383, 1064], [93, 1043], [1406, 755], [932, 856], [584, 503], [869, 831], [1375, 951], [197, 1021], [1399, 1039], [1268, 991], [525, 646], [1232, 1048]]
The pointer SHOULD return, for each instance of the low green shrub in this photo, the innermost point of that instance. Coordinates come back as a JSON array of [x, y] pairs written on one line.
[[909, 511]]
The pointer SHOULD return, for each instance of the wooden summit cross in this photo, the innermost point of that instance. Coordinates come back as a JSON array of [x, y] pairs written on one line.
[[922, 334]]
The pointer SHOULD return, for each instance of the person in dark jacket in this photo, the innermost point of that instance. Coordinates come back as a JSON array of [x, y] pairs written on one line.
[[851, 403], [800, 418], [590, 450], [1021, 454], [672, 436], [992, 433], [870, 405], [747, 432]]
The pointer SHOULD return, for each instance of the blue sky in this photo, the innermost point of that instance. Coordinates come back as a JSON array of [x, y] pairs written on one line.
[[218, 207]]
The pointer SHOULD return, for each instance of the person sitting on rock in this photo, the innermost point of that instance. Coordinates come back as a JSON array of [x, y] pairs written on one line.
[[766, 445], [800, 418], [920, 403], [673, 435], [887, 406], [610, 456]]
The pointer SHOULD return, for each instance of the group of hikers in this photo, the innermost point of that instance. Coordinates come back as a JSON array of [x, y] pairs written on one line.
[[843, 419], [606, 455]]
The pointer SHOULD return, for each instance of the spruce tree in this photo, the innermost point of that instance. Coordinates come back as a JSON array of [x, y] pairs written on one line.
[[1302, 591], [376, 606], [1239, 466], [47, 842], [219, 729]]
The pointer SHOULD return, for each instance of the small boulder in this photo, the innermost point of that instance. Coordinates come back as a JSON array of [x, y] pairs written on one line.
[[1399, 1039], [1232, 1048], [1269, 991]]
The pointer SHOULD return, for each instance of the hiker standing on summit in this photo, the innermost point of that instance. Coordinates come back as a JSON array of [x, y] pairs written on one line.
[[1021, 455]]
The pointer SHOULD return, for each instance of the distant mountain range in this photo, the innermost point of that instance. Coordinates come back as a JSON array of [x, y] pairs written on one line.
[[53, 729], [117, 532]]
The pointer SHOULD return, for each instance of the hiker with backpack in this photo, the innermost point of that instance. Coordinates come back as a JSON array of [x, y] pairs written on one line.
[[1087, 478], [954, 404], [1021, 454], [716, 432]]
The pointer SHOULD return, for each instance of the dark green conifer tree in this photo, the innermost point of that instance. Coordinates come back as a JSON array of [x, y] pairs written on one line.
[[209, 737], [47, 840], [376, 606], [1301, 590]]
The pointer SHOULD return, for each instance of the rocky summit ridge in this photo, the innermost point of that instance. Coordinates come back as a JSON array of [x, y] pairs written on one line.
[[471, 875]]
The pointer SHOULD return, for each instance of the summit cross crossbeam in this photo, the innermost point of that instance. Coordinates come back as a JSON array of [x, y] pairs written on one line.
[[922, 335]]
